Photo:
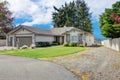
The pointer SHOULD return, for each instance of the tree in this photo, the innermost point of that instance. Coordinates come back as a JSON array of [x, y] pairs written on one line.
[[5, 18], [110, 21], [74, 14]]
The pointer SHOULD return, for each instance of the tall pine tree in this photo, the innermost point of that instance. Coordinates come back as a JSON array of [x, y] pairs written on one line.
[[74, 14]]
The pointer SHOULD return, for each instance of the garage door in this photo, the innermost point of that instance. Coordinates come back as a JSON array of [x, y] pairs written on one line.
[[24, 41]]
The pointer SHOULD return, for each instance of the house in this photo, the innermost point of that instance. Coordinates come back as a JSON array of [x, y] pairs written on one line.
[[27, 35]]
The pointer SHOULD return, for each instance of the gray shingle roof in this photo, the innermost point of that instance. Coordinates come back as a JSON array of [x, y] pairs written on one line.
[[32, 29], [38, 30], [60, 31], [52, 32]]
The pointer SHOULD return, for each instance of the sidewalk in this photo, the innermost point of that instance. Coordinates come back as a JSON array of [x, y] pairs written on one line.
[[6, 48]]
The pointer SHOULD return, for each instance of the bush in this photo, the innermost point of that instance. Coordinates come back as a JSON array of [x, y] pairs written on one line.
[[32, 46], [66, 44], [55, 43], [42, 44], [24, 47], [73, 44], [81, 45]]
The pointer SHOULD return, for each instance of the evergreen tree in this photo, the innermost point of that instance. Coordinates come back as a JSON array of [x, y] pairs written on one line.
[[75, 14]]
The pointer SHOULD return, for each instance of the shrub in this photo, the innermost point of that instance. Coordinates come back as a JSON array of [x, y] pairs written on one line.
[[73, 44], [81, 45], [66, 44], [24, 47], [55, 43], [48, 44], [32, 46], [42, 44]]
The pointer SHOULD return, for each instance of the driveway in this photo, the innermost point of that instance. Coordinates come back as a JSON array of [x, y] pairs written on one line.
[[21, 68], [95, 64]]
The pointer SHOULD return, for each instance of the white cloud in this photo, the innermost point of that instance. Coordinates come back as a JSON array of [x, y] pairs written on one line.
[[98, 7], [40, 11]]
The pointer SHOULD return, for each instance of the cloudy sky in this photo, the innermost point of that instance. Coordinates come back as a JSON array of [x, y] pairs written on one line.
[[38, 12]]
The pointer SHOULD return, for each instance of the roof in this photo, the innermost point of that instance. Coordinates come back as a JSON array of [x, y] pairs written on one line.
[[32, 29], [52, 32], [60, 31], [38, 30]]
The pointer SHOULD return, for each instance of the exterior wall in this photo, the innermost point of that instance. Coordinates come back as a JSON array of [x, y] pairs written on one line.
[[42, 38], [2, 42], [112, 43], [89, 40], [73, 33]]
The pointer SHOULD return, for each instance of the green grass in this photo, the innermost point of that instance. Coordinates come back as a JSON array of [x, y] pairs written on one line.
[[44, 52]]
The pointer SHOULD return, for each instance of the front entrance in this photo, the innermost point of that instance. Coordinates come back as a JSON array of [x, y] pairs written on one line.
[[59, 39], [20, 41]]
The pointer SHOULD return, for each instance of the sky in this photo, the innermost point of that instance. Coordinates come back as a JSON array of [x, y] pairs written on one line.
[[38, 13]]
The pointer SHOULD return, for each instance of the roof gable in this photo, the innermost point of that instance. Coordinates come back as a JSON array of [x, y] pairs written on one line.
[[60, 31], [20, 30], [23, 31]]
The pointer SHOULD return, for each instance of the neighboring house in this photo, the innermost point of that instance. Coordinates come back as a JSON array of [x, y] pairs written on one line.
[[26, 35]]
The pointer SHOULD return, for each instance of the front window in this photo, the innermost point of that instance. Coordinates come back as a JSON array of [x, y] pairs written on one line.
[[68, 38], [74, 38]]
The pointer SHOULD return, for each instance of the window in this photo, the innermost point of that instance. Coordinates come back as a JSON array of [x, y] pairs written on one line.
[[68, 38], [74, 38]]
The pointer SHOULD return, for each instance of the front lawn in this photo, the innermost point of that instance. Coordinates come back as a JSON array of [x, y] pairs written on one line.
[[44, 52]]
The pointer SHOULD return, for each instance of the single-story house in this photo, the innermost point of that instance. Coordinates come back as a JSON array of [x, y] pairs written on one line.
[[27, 35]]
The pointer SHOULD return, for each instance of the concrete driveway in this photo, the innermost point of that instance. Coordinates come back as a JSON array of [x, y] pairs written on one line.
[[21, 68]]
